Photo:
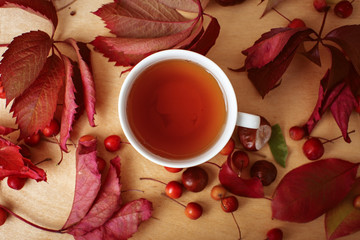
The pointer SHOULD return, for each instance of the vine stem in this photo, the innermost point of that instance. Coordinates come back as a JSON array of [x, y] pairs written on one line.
[[237, 225], [323, 23], [28, 222], [152, 179]]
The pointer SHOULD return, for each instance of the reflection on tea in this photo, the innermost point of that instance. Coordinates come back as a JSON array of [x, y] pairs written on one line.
[[176, 109]]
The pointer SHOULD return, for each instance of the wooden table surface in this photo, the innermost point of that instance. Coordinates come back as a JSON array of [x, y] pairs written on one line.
[[49, 203]]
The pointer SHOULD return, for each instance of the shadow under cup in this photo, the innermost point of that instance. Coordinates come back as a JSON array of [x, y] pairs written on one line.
[[126, 119]]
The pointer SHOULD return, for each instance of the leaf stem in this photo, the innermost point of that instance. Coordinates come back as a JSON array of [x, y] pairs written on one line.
[[237, 225], [333, 139], [28, 222], [213, 164], [323, 24], [281, 14], [152, 179]]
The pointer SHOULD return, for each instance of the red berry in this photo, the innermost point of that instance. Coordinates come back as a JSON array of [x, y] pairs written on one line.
[[240, 160], [343, 9], [2, 93], [112, 143], [274, 234], [173, 189], [296, 23], [100, 164], [313, 148], [229, 147], [173, 170], [218, 192], [193, 210], [16, 183], [52, 130], [320, 5], [32, 140], [356, 202], [296, 133], [86, 138], [3, 216], [229, 204], [194, 179]]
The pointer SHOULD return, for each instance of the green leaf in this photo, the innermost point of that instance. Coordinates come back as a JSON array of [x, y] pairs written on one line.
[[278, 145]]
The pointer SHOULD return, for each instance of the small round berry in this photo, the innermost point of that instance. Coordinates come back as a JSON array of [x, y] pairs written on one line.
[[240, 160], [112, 143], [52, 130], [32, 140], [101, 164], [229, 204], [193, 210], [229, 147], [296, 23], [86, 138], [194, 179], [16, 183], [274, 234], [3, 216], [173, 170], [265, 171], [320, 5], [218, 192], [173, 189], [313, 148], [343, 9], [296, 133], [356, 202]]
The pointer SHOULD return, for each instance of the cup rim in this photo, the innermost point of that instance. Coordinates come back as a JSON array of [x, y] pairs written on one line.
[[224, 83]]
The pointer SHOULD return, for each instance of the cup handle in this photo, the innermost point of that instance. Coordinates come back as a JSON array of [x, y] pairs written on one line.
[[248, 120]]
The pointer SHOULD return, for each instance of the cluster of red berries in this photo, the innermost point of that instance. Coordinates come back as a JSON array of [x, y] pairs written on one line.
[[342, 9]]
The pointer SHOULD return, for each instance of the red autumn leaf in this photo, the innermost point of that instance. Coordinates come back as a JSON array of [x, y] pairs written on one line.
[[87, 78], [310, 190], [6, 130], [88, 181], [23, 61], [69, 109], [313, 54], [348, 38], [185, 5], [107, 202], [243, 187], [344, 219], [43, 8], [265, 68], [35, 108], [336, 92], [145, 27], [123, 223], [12, 163]]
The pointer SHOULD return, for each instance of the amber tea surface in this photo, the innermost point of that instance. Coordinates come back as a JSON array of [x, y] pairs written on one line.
[[176, 109]]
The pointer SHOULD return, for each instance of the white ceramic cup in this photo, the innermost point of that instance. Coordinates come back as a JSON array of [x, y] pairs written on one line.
[[233, 117]]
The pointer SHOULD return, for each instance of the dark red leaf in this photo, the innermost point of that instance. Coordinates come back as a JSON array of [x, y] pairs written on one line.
[[88, 181], [106, 204], [243, 187], [87, 78], [35, 108], [313, 54], [43, 8], [344, 219], [208, 38], [265, 68], [310, 190], [12, 163], [69, 109], [23, 61], [348, 38], [6, 130]]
